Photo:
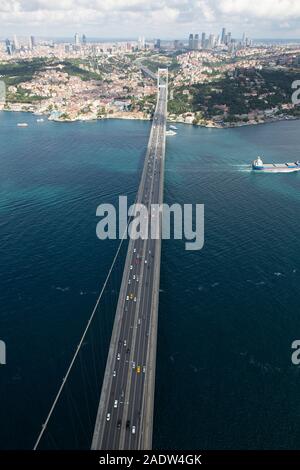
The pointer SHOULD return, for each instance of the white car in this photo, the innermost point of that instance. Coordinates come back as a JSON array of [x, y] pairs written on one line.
[[127, 298], [116, 404], [134, 277], [125, 343], [108, 417], [133, 430], [146, 261], [133, 365], [139, 321], [134, 299], [134, 251], [144, 369], [131, 268], [114, 373], [118, 357]]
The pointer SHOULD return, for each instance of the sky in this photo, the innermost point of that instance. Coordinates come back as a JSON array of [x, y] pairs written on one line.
[[165, 19]]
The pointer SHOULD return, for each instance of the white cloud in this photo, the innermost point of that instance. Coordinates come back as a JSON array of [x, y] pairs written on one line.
[[163, 17], [264, 9]]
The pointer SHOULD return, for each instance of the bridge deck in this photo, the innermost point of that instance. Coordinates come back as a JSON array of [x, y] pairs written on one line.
[[125, 413]]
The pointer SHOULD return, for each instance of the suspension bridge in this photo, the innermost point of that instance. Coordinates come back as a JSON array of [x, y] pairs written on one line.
[[125, 414], [124, 418]]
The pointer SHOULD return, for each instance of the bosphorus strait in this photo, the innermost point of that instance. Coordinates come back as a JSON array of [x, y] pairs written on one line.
[[228, 314]]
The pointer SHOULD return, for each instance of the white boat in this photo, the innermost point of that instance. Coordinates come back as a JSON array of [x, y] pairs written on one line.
[[259, 166], [171, 133], [173, 127], [22, 124], [40, 120]]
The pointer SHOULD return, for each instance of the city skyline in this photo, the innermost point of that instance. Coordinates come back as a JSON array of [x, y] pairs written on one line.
[[167, 19]]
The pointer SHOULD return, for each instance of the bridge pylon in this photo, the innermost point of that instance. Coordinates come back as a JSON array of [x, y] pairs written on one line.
[[162, 78]]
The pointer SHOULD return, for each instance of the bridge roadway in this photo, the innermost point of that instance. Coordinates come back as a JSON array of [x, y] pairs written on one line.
[[125, 413]]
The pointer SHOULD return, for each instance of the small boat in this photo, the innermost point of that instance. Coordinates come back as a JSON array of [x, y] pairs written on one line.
[[22, 124], [171, 133], [40, 120], [173, 127], [259, 165]]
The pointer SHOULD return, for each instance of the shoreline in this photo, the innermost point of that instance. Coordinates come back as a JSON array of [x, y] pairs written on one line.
[[126, 116]]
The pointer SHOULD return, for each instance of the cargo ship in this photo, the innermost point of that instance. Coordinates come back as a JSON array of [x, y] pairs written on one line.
[[259, 165]]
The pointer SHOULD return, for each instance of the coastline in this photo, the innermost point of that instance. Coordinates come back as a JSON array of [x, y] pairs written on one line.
[[138, 116]]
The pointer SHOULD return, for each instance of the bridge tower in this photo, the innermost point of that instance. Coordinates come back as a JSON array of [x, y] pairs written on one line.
[[162, 78]]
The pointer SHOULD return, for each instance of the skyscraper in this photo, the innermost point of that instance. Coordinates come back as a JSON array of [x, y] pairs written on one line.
[[9, 47], [223, 36], [203, 39], [191, 42], [31, 42], [211, 41], [16, 43], [157, 44], [196, 42], [141, 43], [228, 42], [84, 40], [77, 39]]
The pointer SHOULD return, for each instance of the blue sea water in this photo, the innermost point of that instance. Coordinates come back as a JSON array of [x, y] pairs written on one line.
[[228, 314]]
